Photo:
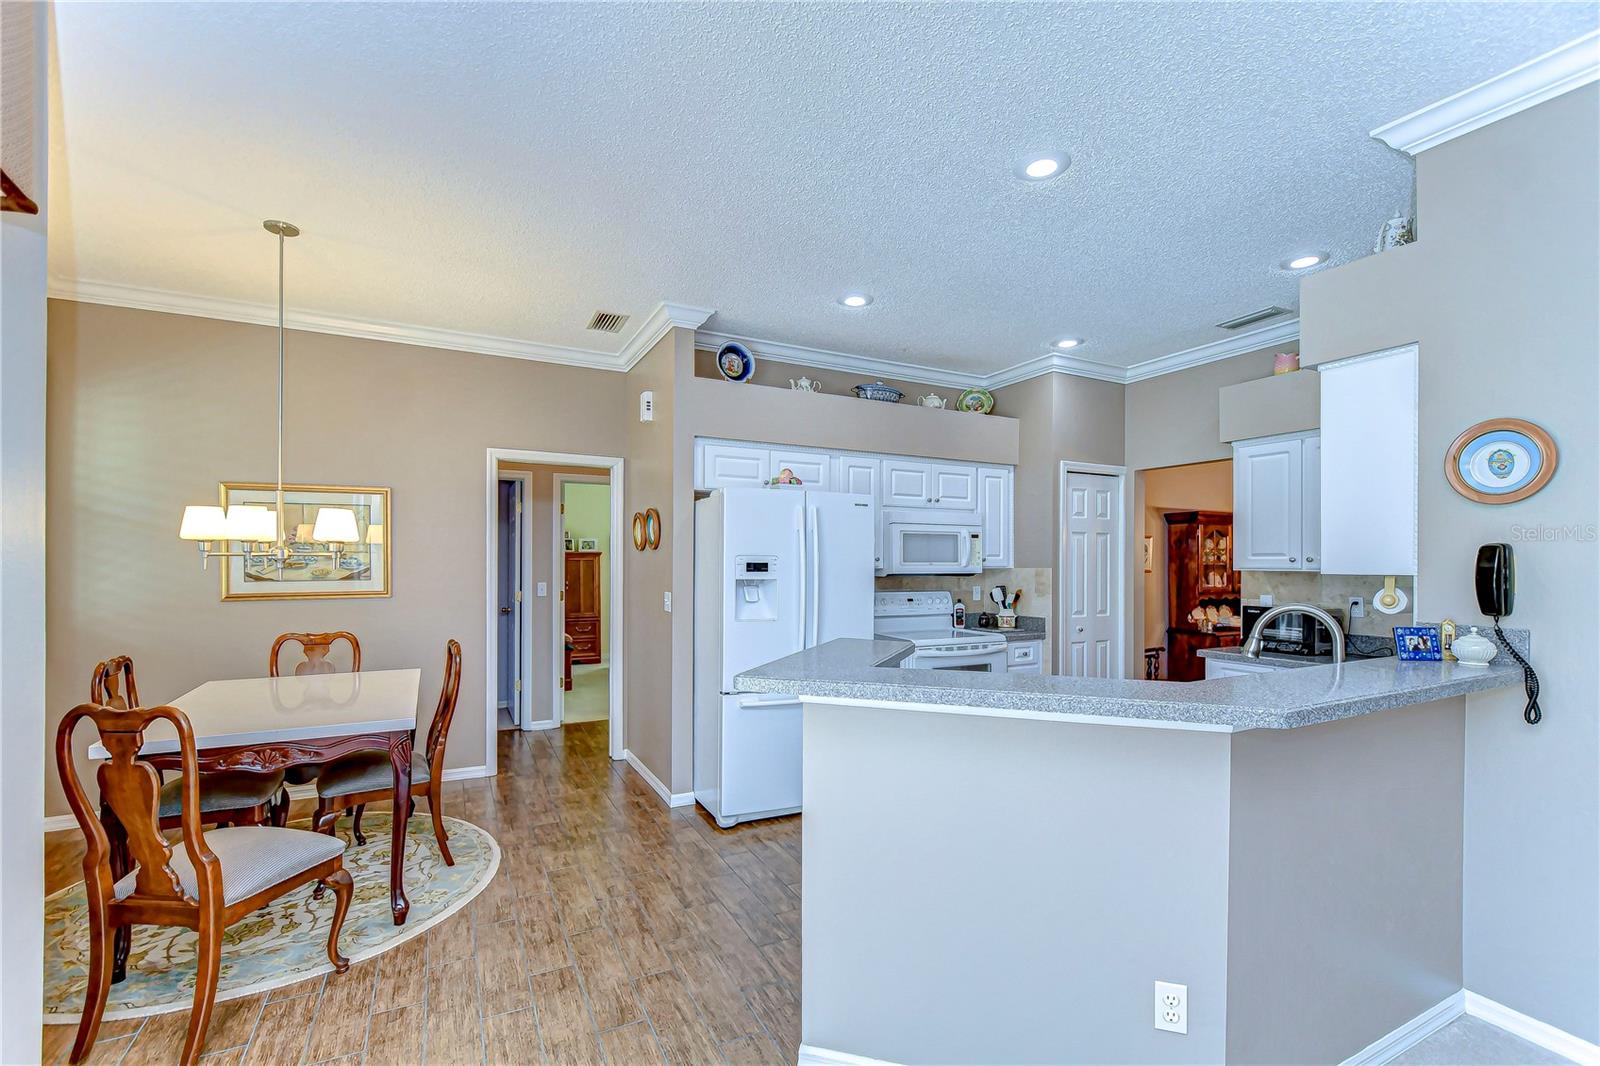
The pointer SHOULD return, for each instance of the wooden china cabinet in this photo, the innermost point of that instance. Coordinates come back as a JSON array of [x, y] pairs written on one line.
[[1200, 576], [583, 605]]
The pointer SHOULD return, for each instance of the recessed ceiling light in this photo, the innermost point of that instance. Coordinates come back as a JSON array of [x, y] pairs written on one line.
[[855, 299], [1067, 342], [1042, 166], [1305, 262]]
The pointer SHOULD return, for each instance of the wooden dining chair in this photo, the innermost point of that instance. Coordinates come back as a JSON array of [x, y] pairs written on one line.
[[367, 777], [233, 797], [206, 881], [315, 647]]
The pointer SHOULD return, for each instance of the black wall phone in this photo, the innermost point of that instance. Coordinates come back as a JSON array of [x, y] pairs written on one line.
[[1496, 581]]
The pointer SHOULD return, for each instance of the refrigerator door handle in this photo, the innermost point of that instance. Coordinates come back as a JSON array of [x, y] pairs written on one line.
[[768, 701], [800, 562], [816, 577]]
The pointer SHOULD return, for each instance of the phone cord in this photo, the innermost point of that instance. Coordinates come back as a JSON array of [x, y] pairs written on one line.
[[1530, 680]]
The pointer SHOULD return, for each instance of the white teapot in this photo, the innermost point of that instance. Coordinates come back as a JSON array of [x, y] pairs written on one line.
[[932, 400], [805, 385]]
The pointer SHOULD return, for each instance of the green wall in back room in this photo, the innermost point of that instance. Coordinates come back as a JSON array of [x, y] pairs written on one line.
[[588, 514]]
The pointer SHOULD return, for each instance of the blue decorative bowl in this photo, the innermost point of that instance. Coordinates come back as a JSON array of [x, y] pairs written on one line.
[[878, 391]]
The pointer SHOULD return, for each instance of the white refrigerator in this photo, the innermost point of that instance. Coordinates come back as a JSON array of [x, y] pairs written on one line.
[[776, 571]]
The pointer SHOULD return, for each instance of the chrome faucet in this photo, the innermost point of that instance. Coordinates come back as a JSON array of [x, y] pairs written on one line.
[[1252, 646]]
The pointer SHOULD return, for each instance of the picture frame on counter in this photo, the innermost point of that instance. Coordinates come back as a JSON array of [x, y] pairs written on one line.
[[1418, 644]]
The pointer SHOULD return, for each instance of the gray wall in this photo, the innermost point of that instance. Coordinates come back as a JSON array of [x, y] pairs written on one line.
[[953, 910], [1499, 292], [1344, 881]]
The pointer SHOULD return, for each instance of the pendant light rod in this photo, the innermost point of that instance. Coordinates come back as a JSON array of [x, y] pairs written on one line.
[[282, 230]]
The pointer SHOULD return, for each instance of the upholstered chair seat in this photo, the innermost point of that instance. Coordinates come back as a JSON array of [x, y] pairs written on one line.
[[223, 791], [253, 857], [367, 771]]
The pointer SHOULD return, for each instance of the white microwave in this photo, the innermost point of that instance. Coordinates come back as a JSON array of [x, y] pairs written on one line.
[[932, 548]]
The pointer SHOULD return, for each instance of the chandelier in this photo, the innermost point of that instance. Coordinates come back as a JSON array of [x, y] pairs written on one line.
[[259, 531]]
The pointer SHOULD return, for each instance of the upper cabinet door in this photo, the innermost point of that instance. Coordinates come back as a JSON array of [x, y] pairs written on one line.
[[955, 487], [812, 468], [1369, 464], [994, 515], [907, 483], [1311, 503], [1267, 520], [723, 466], [856, 474]]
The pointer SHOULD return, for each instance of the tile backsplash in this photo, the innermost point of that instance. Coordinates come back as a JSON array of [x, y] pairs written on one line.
[[1328, 590], [1035, 583]]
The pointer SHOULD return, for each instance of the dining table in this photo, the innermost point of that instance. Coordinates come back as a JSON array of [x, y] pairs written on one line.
[[265, 724]]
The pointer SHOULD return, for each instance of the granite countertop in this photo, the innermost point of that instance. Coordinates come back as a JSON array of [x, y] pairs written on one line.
[[866, 670], [1274, 659], [1029, 627]]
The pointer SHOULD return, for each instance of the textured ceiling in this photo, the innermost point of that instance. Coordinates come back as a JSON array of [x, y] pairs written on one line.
[[507, 169]]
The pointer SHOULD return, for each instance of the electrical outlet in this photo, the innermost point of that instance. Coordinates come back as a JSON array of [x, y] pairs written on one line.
[[666, 602], [1172, 1007], [977, 593], [1266, 599], [1358, 607]]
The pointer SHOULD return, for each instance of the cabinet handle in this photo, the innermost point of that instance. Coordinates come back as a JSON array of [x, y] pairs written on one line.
[[1292, 559], [1309, 559]]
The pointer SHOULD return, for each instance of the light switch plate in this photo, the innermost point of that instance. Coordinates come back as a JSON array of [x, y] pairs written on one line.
[[541, 589], [666, 602]]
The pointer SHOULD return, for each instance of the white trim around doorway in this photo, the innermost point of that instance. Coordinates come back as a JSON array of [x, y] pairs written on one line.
[[1071, 466], [613, 466], [525, 604], [558, 570]]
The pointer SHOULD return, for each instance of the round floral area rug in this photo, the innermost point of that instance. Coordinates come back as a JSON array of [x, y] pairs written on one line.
[[279, 944]]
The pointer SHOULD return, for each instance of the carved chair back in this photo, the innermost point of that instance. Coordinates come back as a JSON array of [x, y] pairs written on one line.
[[109, 677], [439, 730], [315, 647], [131, 790]]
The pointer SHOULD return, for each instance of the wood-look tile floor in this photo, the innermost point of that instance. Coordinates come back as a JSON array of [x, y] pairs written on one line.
[[616, 931]]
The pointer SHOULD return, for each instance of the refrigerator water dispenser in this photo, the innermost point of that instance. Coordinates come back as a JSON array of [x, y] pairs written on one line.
[[755, 580]]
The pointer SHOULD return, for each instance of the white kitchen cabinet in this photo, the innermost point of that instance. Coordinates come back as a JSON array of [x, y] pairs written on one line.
[[1276, 502], [1368, 523], [1025, 657], [723, 466], [995, 493], [814, 469], [955, 488], [856, 474], [906, 483]]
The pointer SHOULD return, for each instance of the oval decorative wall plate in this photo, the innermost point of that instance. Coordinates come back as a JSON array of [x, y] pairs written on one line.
[[1500, 461], [638, 531], [652, 529], [977, 401], [735, 362]]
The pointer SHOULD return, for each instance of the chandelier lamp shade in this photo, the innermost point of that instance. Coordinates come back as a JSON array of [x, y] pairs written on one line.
[[259, 531]]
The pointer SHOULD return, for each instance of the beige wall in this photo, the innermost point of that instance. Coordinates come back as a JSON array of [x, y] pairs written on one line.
[[1196, 487], [1499, 293], [148, 412], [541, 510]]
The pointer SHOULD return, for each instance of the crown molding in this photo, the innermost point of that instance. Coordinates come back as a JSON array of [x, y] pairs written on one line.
[[1571, 66], [1278, 333], [665, 317], [651, 330], [824, 359], [1055, 363]]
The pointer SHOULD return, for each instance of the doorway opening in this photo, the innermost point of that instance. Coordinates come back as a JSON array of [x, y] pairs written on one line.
[[583, 520], [532, 642], [1189, 589], [1093, 585]]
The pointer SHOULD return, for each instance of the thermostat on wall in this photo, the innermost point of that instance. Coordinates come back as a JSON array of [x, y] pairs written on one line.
[[647, 406]]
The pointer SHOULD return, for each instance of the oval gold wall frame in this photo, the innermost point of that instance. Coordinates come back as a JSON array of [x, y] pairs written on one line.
[[1542, 440], [638, 531], [652, 528]]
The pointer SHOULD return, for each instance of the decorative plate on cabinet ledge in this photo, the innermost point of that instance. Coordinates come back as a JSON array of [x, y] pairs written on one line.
[[735, 362], [1500, 461], [978, 401]]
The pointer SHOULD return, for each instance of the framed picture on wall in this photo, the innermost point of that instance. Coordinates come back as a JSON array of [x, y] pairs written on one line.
[[1149, 554], [362, 569]]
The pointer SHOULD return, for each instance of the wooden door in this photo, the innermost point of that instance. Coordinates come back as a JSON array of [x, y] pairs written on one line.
[[583, 605]]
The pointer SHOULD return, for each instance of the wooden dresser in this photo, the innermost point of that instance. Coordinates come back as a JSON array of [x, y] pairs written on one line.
[[583, 605]]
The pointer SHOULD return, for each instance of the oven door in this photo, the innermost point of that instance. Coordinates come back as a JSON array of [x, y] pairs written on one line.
[[977, 660], [920, 548]]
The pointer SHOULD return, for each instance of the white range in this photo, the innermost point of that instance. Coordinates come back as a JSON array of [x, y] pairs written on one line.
[[924, 618]]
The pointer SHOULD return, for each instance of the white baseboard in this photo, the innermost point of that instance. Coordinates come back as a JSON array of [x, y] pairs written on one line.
[[1533, 1030], [55, 823], [543, 723], [670, 798], [1393, 1044], [821, 1056]]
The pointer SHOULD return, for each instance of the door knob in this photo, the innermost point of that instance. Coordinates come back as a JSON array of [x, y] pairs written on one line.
[[505, 610], [1080, 629]]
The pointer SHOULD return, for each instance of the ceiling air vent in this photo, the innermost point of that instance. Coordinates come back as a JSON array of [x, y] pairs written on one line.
[[1251, 319], [608, 322]]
